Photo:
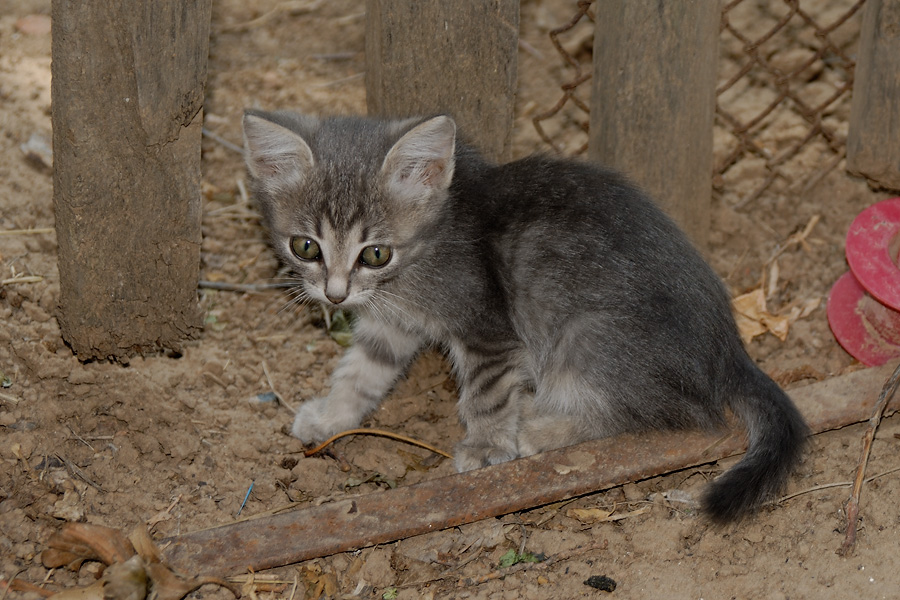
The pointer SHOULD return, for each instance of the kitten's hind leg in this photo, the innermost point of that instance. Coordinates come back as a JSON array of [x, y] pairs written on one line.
[[565, 410], [491, 391], [366, 373], [540, 433]]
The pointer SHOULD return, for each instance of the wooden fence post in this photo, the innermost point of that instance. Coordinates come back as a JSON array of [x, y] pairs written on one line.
[[456, 57], [127, 91], [653, 101], [873, 142]]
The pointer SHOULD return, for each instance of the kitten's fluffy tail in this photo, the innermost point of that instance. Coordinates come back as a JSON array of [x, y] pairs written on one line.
[[777, 434]]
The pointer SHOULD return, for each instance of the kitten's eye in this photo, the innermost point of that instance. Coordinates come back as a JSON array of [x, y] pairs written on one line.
[[375, 256], [305, 248]]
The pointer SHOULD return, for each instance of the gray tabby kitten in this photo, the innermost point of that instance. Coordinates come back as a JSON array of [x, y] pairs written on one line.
[[570, 306]]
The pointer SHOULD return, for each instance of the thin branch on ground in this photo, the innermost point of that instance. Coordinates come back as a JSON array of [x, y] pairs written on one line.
[[826, 486], [20, 279], [11, 399], [288, 6], [27, 231], [852, 506], [20, 585], [224, 286], [222, 141], [278, 396], [379, 432]]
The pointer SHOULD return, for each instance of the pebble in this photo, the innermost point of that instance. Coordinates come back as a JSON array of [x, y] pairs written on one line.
[[632, 492], [754, 536]]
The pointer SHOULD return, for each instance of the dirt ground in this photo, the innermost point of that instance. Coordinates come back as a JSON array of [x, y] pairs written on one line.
[[179, 438]]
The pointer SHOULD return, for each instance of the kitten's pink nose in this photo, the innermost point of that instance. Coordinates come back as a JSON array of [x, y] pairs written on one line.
[[337, 289]]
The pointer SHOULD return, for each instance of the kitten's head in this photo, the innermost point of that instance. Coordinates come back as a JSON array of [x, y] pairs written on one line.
[[347, 200]]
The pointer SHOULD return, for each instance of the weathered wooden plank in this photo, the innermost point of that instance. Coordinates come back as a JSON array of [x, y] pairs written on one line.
[[449, 501], [455, 57], [653, 101], [873, 142], [127, 91]]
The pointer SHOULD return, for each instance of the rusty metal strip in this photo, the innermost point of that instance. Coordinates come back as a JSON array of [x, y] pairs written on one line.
[[382, 517]]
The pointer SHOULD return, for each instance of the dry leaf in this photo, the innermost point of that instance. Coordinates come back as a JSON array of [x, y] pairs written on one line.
[[629, 514], [132, 562], [143, 544], [589, 515], [753, 317], [749, 328], [91, 592], [777, 325], [749, 309], [807, 307], [598, 515]]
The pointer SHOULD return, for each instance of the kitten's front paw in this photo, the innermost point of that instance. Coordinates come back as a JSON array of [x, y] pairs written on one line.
[[470, 457], [320, 419]]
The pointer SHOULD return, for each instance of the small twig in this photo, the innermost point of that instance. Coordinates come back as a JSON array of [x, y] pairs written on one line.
[[814, 488], [163, 515], [222, 141], [554, 510], [27, 231], [242, 190], [241, 287], [278, 396], [343, 465], [334, 56], [338, 82], [11, 399], [460, 561], [531, 50], [796, 238], [80, 439], [826, 486], [631, 513], [262, 582], [294, 588], [22, 586], [289, 6], [380, 432], [524, 539], [815, 178], [18, 279], [852, 505], [76, 472], [226, 210]]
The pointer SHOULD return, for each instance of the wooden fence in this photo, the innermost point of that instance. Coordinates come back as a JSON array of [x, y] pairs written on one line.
[[128, 85]]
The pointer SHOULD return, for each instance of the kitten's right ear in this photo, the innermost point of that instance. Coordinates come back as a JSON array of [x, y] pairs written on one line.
[[422, 160], [275, 155]]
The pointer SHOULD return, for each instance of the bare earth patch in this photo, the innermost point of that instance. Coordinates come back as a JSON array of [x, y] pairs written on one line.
[[180, 439]]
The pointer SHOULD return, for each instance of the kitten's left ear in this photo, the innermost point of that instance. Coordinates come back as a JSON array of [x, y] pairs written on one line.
[[422, 160], [275, 155]]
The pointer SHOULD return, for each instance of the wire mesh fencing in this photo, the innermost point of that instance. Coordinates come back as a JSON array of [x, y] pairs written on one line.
[[785, 75]]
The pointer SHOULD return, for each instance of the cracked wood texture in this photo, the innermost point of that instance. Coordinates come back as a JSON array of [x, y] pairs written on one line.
[[873, 141], [459, 58], [127, 92], [653, 101]]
